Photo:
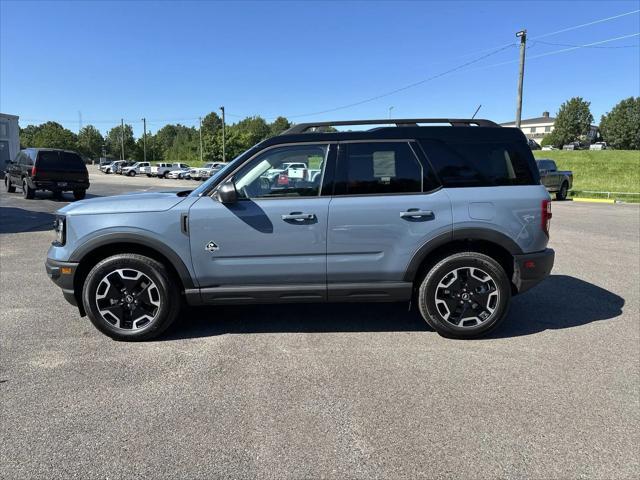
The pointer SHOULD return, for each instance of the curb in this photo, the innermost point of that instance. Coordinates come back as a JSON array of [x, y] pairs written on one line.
[[594, 200]]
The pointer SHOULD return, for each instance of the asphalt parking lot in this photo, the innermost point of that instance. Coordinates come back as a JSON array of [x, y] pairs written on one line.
[[336, 391]]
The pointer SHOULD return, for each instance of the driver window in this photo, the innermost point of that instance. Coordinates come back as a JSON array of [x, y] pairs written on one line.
[[292, 171]]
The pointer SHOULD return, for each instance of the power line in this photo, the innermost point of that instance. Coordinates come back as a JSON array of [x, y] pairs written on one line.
[[420, 82], [573, 45], [575, 27], [405, 87], [562, 50]]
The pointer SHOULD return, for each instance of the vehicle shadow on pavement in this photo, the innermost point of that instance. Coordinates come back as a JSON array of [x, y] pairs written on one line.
[[559, 302], [17, 220], [296, 318]]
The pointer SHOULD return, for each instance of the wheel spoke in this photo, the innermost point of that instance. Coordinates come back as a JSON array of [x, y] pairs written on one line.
[[128, 299], [466, 297]]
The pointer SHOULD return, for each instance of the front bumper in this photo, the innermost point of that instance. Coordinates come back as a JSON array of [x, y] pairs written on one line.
[[531, 268], [62, 274]]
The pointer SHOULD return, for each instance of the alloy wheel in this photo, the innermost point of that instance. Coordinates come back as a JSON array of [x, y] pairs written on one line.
[[128, 299], [467, 297]]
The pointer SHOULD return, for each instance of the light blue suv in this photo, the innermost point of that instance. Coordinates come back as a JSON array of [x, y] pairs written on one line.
[[449, 213]]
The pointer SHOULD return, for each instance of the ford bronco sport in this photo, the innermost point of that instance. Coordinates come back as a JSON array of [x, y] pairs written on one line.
[[450, 216]]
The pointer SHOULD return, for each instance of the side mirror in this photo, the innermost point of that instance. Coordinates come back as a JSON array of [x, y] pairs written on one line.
[[227, 192]]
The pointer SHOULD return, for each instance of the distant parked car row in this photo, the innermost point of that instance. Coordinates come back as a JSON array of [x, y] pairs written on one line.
[[580, 146], [162, 170]]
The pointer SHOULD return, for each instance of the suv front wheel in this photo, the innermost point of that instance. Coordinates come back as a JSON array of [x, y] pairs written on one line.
[[465, 295], [8, 185], [130, 297]]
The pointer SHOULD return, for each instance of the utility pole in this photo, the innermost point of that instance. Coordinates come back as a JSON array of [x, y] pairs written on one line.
[[79, 121], [523, 46], [224, 156], [122, 136], [200, 120], [144, 138], [390, 108]]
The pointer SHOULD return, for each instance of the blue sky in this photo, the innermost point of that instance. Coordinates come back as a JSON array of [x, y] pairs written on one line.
[[174, 61]]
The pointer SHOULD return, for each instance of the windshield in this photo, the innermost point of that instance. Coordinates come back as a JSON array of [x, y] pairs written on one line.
[[217, 174]]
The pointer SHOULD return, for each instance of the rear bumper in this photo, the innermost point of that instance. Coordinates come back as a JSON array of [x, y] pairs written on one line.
[[61, 186], [62, 274], [531, 268]]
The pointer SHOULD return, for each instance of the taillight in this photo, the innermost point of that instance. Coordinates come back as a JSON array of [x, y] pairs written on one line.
[[33, 171], [545, 216]]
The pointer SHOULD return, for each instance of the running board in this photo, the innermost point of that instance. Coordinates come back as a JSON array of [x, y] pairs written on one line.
[[306, 293]]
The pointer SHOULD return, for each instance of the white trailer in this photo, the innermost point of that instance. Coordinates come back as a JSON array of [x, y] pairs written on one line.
[[9, 139]]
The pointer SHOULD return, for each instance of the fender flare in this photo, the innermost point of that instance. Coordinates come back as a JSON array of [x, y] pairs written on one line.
[[137, 239], [483, 234]]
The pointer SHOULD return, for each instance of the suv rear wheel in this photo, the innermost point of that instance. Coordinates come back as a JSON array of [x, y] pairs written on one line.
[[8, 185], [27, 191], [130, 297], [79, 194], [465, 295]]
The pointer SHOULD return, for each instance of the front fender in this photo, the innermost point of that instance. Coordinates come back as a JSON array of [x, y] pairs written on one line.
[[135, 237]]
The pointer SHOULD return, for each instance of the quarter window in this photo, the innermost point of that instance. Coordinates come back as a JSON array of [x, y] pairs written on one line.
[[378, 168], [291, 171], [479, 164]]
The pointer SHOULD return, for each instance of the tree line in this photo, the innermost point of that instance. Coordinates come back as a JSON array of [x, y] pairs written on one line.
[[620, 128], [172, 143]]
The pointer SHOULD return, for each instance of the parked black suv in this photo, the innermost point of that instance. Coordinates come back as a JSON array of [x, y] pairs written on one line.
[[47, 169]]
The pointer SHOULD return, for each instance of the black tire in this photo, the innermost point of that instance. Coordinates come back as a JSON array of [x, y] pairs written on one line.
[[10, 187], [470, 292], [27, 192], [132, 173], [164, 290], [148, 175], [79, 194], [165, 175], [562, 193]]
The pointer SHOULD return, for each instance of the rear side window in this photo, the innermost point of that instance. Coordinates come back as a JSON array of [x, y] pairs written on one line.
[[478, 164], [60, 161], [378, 168]]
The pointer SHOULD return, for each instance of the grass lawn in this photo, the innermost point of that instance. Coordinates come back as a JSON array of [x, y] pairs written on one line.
[[603, 170]]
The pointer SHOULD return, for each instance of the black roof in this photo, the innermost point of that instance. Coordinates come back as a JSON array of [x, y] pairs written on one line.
[[397, 122], [458, 133]]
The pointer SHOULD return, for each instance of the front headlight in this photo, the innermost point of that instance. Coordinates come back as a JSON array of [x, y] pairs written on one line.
[[59, 226]]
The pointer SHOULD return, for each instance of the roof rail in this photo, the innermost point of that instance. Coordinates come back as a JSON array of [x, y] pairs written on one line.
[[398, 122]]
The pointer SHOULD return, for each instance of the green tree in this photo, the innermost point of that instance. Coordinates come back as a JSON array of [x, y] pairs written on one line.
[[279, 125], [250, 131], [620, 128], [50, 135], [27, 135], [573, 122], [212, 137], [185, 146], [114, 139], [164, 139], [90, 142]]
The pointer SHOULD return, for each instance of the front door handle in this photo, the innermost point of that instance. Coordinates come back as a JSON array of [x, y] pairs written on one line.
[[300, 217], [417, 213]]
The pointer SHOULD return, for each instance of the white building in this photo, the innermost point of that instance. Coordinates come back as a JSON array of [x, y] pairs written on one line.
[[536, 128], [9, 139]]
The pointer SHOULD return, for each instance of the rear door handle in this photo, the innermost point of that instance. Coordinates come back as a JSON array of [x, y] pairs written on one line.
[[300, 217], [417, 213]]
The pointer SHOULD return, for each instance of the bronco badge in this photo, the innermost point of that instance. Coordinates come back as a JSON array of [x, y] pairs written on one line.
[[212, 247]]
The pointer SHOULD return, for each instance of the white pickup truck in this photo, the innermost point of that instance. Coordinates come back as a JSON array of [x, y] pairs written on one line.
[[163, 169], [135, 169]]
